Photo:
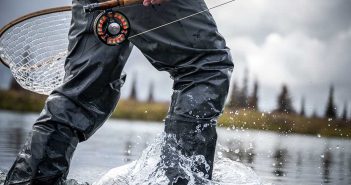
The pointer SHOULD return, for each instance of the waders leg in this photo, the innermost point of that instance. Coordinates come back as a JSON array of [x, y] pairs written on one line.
[[74, 111]]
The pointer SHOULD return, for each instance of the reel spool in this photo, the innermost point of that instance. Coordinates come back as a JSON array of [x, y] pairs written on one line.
[[112, 27]]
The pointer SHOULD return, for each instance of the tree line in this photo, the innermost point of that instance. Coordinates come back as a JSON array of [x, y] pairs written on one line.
[[240, 98]]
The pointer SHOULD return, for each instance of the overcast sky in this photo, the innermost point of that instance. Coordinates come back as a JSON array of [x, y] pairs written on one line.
[[302, 43]]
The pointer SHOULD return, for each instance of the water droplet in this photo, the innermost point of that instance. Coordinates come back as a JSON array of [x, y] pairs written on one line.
[[220, 155], [237, 151]]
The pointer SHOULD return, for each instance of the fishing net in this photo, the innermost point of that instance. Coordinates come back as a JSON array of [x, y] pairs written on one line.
[[34, 47]]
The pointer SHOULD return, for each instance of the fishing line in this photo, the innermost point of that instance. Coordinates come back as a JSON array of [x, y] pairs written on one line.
[[175, 21]]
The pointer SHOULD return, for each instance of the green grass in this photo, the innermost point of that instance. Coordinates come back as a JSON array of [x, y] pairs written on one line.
[[135, 110], [285, 123], [21, 101], [241, 119]]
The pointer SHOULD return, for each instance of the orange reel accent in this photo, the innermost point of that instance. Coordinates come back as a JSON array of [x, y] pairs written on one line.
[[112, 27]]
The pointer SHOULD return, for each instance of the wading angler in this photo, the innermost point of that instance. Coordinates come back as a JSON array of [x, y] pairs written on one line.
[[177, 36]]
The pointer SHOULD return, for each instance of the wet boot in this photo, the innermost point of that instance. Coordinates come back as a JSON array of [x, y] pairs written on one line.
[[45, 157], [189, 145]]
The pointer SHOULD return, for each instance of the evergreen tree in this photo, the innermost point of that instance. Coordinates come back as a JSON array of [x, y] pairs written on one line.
[[233, 103], [284, 102], [314, 114], [133, 93], [242, 97], [14, 85], [344, 114], [150, 98], [331, 108], [253, 100], [302, 111]]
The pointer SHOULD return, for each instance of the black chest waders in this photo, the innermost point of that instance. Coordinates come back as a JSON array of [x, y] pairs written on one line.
[[191, 51]]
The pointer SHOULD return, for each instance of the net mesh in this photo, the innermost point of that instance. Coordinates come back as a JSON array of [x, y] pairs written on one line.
[[35, 51]]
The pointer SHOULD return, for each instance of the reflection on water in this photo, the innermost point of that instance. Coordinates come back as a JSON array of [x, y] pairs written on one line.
[[286, 160], [11, 137], [326, 165], [128, 150], [279, 162], [18, 134]]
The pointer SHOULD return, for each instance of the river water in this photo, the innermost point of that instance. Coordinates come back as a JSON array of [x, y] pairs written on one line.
[[276, 159]]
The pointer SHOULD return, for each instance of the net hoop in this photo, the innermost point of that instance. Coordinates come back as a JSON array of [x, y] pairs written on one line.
[[29, 16]]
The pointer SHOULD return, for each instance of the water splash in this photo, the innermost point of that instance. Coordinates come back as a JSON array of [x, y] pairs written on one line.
[[2, 177], [147, 170]]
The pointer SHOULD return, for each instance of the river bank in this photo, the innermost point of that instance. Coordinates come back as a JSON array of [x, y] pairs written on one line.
[[234, 119], [276, 158]]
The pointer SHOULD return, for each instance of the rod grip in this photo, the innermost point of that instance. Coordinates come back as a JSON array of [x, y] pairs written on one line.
[[110, 4], [132, 2]]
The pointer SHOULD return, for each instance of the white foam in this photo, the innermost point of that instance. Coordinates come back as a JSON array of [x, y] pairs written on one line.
[[146, 170]]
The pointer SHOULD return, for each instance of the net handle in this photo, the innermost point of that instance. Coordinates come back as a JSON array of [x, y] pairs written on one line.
[[28, 16]]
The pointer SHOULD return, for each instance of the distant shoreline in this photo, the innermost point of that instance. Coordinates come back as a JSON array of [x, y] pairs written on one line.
[[25, 102]]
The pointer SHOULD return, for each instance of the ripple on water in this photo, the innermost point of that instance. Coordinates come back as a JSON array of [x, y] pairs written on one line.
[[147, 170], [68, 182]]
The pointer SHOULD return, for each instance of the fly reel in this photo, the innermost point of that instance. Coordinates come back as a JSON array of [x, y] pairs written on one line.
[[111, 27]]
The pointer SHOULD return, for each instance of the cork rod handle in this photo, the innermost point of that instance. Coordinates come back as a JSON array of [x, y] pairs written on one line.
[[132, 2], [110, 4]]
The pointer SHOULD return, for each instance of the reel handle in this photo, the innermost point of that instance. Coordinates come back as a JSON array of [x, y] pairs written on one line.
[[110, 4]]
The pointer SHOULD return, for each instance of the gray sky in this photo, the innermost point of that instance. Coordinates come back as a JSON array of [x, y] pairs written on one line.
[[303, 43]]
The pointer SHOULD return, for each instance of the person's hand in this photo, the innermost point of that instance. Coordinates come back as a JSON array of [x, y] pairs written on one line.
[[148, 2]]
